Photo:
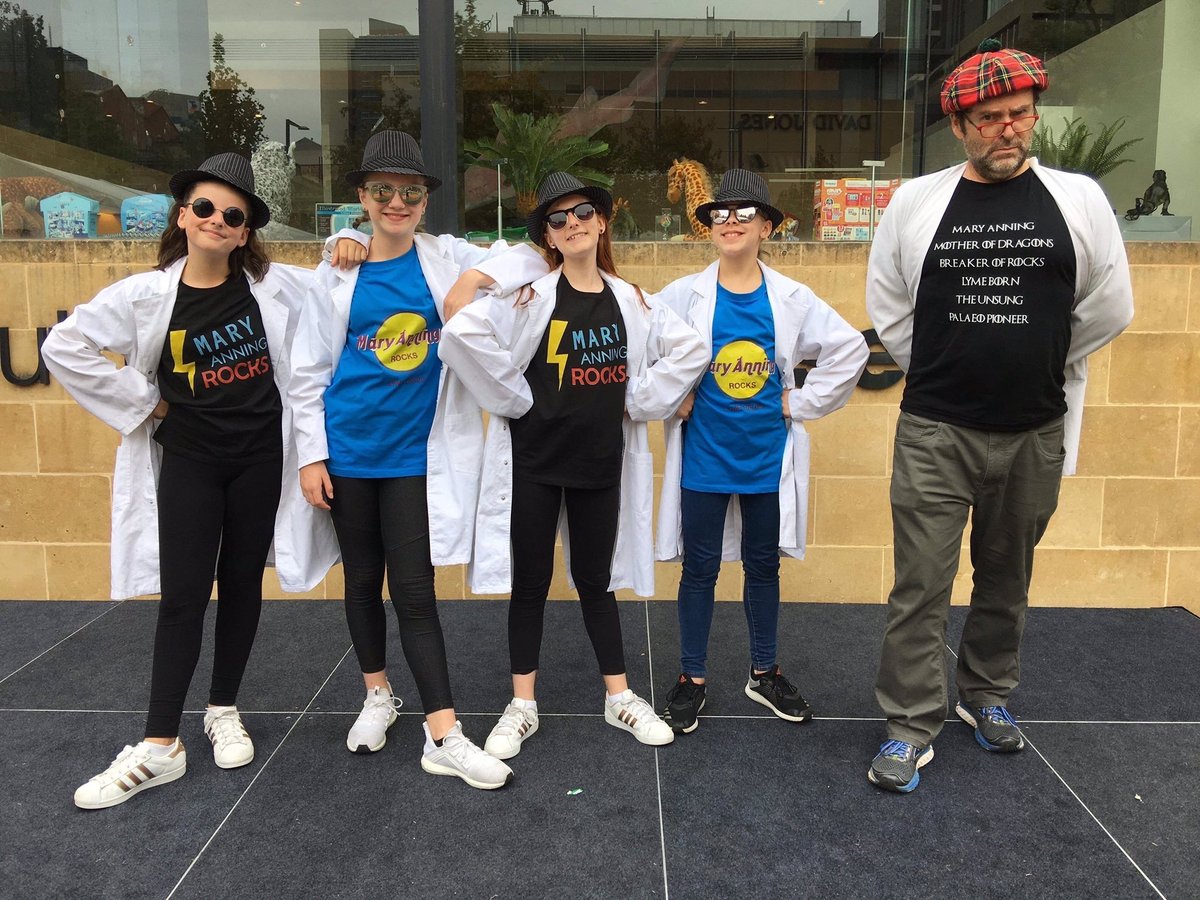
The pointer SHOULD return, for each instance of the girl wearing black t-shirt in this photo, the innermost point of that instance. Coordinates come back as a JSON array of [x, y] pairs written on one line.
[[205, 449], [570, 369]]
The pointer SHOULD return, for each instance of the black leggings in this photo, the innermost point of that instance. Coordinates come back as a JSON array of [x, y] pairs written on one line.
[[212, 516], [592, 524], [383, 524]]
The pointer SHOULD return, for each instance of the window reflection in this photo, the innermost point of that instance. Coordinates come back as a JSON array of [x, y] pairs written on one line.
[[103, 100]]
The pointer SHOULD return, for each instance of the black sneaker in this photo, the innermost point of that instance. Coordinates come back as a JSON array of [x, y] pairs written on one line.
[[995, 728], [684, 702], [779, 695]]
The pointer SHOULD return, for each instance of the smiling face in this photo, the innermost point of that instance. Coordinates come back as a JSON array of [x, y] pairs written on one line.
[[734, 238], [393, 219], [576, 239], [1002, 157], [212, 235]]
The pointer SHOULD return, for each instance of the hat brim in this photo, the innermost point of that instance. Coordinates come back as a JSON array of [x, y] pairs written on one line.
[[260, 213], [704, 210], [355, 179], [599, 197]]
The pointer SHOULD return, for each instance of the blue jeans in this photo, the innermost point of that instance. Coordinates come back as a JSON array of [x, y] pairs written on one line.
[[703, 526]]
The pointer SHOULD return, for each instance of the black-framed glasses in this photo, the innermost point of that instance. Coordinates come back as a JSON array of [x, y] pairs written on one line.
[[382, 192], [203, 208], [581, 211], [995, 129], [744, 214]]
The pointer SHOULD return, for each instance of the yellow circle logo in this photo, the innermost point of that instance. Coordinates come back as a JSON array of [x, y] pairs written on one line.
[[402, 342], [741, 368]]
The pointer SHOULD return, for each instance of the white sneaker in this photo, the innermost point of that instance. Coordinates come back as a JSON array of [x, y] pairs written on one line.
[[633, 714], [368, 734], [460, 757], [134, 770], [232, 746], [518, 722]]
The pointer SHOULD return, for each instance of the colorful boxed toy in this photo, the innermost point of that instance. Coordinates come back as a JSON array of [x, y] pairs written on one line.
[[145, 215], [69, 215]]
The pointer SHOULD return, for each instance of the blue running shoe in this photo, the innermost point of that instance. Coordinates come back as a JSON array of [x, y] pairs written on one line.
[[895, 766], [995, 728]]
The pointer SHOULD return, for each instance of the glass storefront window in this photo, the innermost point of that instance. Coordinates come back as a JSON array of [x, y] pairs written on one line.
[[101, 101]]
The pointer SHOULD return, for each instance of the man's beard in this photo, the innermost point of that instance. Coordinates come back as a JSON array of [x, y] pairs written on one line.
[[992, 169]]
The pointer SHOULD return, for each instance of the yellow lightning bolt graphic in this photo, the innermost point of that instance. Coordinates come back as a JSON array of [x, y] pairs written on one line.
[[180, 366], [557, 328]]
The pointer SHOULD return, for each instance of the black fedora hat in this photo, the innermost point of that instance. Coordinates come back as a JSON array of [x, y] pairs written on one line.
[[396, 152], [741, 186], [232, 169], [562, 184]]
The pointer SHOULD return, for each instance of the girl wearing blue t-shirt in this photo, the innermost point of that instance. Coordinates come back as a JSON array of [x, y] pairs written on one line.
[[390, 444], [735, 483]]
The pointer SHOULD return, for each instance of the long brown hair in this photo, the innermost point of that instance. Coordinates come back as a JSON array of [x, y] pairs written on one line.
[[250, 258], [604, 260]]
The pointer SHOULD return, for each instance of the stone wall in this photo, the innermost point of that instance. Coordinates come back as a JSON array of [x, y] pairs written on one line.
[[1127, 532]]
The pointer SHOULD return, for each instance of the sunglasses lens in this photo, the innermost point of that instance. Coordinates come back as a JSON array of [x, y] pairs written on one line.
[[234, 217], [719, 216], [556, 220], [413, 194], [380, 193], [584, 211], [203, 208], [747, 214]]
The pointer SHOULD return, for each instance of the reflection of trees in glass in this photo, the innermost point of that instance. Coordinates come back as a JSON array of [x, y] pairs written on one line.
[[43, 89], [229, 116], [396, 113], [641, 148], [30, 76], [533, 149], [1077, 150], [1067, 23], [484, 78]]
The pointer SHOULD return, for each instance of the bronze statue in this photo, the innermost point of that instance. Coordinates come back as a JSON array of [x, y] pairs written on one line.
[[1158, 194]]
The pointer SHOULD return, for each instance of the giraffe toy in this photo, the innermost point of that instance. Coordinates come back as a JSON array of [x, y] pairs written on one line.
[[690, 179]]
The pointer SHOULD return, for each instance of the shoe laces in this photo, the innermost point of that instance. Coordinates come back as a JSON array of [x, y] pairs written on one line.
[[897, 750], [510, 721], [781, 685], [638, 708], [126, 760], [380, 704], [685, 689], [227, 728], [461, 748], [998, 714]]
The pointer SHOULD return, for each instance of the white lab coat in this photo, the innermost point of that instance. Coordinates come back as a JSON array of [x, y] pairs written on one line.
[[805, 328], [454, 450], [491, 343], [132, 318], [1103, 304]]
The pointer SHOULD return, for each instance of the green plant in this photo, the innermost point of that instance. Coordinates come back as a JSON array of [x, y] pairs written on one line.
[[532, 149], [1076, 150]]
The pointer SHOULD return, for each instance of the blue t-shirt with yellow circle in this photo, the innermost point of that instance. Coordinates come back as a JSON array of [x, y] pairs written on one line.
[[380, 405], [734, 441]]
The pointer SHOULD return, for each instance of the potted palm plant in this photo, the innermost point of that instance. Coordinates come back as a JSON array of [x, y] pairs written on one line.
[[528, 148]]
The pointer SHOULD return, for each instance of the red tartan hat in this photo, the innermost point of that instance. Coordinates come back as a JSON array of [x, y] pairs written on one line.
[[992, 72]]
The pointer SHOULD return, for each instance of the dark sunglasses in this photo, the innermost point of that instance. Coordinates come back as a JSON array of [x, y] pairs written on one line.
[[582, 212], [744, 214], [411, 194], [203, 208]]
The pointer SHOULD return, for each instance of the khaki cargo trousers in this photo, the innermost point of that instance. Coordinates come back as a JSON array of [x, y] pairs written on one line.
[[1008, 483]]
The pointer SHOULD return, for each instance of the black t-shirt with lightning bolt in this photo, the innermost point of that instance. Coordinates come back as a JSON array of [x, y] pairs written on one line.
[[572, 436], [216, 373]]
